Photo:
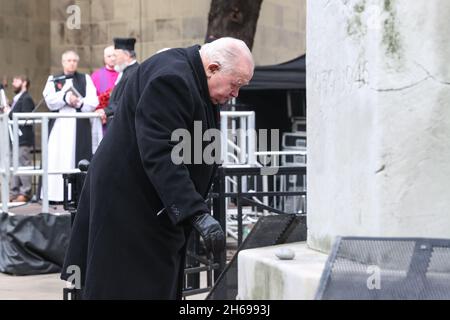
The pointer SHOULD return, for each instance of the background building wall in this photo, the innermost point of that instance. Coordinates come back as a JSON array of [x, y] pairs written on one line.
[[34, 33], [24, 41], [281, 31], [158, 24]]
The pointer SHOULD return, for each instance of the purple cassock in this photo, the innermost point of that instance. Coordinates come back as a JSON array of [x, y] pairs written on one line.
[[104, 79]]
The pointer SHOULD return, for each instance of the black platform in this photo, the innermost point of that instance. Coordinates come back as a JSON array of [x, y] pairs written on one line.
[[33, 244]]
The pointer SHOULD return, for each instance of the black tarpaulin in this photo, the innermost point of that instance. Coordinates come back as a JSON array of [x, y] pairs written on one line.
[[31, 245], [290, 75]]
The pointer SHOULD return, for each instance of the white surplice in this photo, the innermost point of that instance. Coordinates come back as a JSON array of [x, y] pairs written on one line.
[[62, 140]]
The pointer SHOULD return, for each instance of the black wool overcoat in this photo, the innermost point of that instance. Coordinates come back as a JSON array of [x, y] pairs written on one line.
[[130, 231]]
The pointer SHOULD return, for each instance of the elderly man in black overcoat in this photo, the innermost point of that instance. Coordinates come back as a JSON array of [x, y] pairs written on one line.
[[137, 205]]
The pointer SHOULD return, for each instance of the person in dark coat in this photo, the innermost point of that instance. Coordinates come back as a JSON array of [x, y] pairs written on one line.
[[126, 65], [22, 102], [137, 206]]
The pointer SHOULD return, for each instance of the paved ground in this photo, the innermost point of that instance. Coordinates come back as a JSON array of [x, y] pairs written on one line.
[[46, 287]]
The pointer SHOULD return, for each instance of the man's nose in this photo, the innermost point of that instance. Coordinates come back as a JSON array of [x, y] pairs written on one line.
[[235, 93]]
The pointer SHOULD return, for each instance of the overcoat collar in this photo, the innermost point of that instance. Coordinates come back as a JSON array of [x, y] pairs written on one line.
[[195, 60]]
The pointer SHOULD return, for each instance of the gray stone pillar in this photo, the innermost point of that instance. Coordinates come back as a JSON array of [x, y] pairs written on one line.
[[378, 119]]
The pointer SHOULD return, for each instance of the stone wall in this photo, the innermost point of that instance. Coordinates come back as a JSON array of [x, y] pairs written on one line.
[[159, 24], [378, 119], [34, 33], [281, 31], [24, 41]]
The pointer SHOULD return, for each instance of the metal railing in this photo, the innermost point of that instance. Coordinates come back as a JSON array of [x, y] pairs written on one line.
[[196, 262], [239, 150], [4, 160], [6, 169], [243, 198], [242, 125]]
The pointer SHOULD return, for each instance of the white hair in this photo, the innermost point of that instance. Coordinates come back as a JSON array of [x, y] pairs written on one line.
[[110, 48], [68, 52], [226, 52]]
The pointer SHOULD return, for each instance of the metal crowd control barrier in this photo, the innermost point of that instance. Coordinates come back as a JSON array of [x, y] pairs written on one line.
[[4, 160], [268, 231], [245, 198], [25, 118], [242, 127], [195, 260]]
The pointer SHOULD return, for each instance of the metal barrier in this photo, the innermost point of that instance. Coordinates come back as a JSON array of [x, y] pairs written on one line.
[[268, 231], [242, 127], [239, 150], [252, 199], [218, 197], [16, 170], [195, 264], [280, 158], [4, 160]]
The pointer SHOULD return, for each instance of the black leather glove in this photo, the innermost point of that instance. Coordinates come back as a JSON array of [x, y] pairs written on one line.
[[211, 232]]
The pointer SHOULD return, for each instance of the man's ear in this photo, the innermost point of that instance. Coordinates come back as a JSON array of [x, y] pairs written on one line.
[[213, 67]]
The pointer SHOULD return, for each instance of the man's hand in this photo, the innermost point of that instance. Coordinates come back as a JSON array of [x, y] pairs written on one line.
[[6, 109], [72, 100], [211, 232], [103, 114]]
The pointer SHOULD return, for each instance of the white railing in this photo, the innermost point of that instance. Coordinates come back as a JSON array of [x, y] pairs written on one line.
[[245, 148], [238, 146], [239, 149], [242, 153], [4, 160], [16, 170]]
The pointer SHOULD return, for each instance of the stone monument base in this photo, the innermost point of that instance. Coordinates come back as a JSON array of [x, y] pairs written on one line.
[[262, 276]]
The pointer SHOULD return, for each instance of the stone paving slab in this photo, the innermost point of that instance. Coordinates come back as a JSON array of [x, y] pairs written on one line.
[[42, 287]]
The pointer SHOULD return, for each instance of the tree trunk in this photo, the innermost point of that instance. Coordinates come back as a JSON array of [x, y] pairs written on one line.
[[233, 18]]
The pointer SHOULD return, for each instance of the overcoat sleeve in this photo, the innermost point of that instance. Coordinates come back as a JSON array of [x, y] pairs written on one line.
[[167, 105], [115, 97]]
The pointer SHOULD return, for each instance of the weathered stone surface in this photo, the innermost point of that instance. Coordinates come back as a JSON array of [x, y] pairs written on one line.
[[99, 33], [117, 29], [24, 33], [103, 10], [280, 33], [378, 119], [194, 27], [148, 31], [262, 276], [167, 29]]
